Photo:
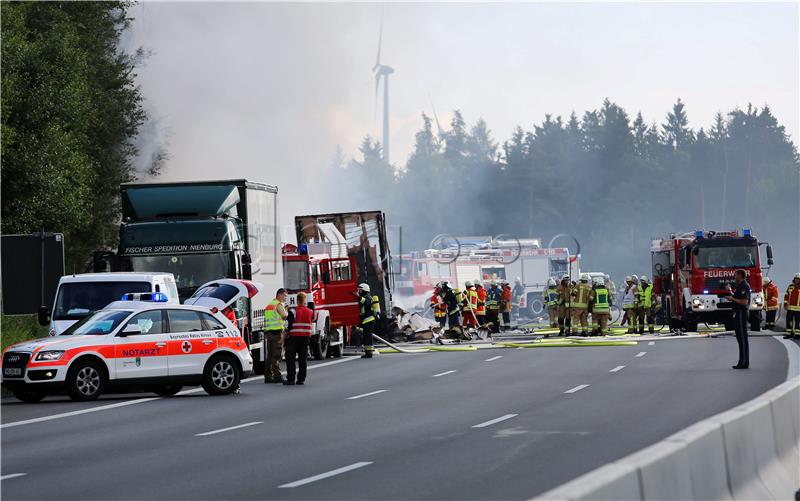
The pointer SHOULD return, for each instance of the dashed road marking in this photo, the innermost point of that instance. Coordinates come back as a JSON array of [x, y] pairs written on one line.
[[641, 354], [443, 373], [12, 475], [322, 476], [356, 397], [651, 343], [617, 368], [577, 388], [223, 430], [493, 358], [495, 421]]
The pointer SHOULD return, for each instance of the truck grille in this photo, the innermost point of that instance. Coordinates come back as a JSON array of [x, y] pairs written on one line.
[[14, 364]]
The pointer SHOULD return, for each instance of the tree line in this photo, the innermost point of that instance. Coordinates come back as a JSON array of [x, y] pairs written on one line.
[[610, 180], [70, 114]]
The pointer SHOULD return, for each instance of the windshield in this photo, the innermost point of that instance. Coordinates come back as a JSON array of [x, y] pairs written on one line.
[[743, 256], [98, 324], [190, 270], [75, 300], [295, 275]]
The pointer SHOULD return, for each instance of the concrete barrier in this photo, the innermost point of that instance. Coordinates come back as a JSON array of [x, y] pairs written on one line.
[[748, 452]]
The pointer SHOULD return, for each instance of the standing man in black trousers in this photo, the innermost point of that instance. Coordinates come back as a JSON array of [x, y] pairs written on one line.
[[740, 297]]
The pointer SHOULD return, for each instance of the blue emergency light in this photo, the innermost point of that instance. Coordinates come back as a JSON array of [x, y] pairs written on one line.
[[302, 249], [746, 232], [153, 297], [698, 234]]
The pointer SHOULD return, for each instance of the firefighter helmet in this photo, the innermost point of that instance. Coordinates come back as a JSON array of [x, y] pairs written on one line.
[[363, 287], [599, 281], [468, 284], [796, 276], [584, 277], [518, 280], [564, 277], [551, 282], [767, 280], [643, 278], [628, 278], [635, 279]]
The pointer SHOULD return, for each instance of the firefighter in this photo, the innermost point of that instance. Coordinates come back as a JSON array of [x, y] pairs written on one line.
[[564, 302], [600, 300], [469, 305], [517, 295], [611, 286], [647, 305], [628, 302], [480, 309], [791, 303], [453, 309], [580, 303], [551, 301], [506, 302], [771, 304], [370, 312], [633, 319], [438, 306], [493, 297]]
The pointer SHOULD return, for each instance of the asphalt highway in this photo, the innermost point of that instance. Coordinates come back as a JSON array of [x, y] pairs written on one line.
[[487, 424]]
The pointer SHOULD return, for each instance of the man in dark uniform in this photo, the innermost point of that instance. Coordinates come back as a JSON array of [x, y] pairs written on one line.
[[740, 297]]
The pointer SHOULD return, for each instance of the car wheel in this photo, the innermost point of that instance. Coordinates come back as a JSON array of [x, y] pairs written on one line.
[[85, 381], [167, 391], [28, 395], [221, 376]]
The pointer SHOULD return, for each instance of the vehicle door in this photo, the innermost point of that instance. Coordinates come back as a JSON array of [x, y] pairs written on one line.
[[337, 292], [191, 339], [140, 347]]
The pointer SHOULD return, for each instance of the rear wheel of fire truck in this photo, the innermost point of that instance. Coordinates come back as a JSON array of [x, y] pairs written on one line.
[[535, 306], [28, 395], [337, 351], [167, 391], [690, 323], [319, 344], [85, 380], [221, 375]]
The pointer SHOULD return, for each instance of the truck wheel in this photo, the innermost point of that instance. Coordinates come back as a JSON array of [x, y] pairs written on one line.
[[535, 306], [28, 395], [167, 391], [221, 376], [319, 344], [85, 381]]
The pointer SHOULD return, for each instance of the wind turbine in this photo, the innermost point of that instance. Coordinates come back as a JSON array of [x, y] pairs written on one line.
[[383, 71]]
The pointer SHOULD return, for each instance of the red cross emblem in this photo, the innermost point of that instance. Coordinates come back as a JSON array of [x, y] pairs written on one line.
[[186, 346]]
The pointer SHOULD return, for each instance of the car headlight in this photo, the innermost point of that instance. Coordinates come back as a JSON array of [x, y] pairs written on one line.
[[48, 356]]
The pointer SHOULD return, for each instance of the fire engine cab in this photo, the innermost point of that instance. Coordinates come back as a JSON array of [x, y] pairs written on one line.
[[692, 270], [331, 285]]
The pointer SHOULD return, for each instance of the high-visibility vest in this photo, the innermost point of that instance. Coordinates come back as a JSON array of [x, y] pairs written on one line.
[[369, 308], [302, 325], [439, 308], [272, 320], [601, 303], [493, 299], [792, 298], [629, 298], [581, 293], [551, 297], [771, 296], [646, 296], [472, 296], [481, 307]]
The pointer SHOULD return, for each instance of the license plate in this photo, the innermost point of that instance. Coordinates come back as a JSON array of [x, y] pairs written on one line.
[[12, 372]]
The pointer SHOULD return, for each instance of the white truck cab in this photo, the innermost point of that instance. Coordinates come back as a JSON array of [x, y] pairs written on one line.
[[79, 295]]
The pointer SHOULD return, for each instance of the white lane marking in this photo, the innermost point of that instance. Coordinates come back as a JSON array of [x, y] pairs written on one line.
[[321, 476], [641, 353], [577, 388], [651, 343], [443, 373], [12, 475], [356, 397], [142, 400], [617, 368], [493, 358], [223, 430], [496, 420]]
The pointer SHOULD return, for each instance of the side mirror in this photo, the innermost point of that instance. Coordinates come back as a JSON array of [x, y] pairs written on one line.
[[131, 329], [770, 261], [44, 315]]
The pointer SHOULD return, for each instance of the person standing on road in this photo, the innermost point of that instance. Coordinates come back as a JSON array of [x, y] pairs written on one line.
[[580, 304], [506, 298], [771, 304], [564, 300], [740, 297], [551, 301], [600, 299], [275, 316], [439, 308], [301, 321], [370, 309], [647, 305], [480, 308], [628, 302], [493, 297], [516, 296], [791, 303]]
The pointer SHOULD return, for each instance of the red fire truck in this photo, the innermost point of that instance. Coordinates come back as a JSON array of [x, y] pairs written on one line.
[[691, 272]]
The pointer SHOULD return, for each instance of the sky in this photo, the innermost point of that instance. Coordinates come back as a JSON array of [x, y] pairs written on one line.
[[268, 91]]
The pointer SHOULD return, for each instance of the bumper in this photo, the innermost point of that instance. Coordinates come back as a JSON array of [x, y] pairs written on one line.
[[39, 375], [711, 303]]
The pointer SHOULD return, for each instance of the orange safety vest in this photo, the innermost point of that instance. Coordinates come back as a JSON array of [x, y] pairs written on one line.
[[439, 308], [792, 298], [771, 296], [481, 305], [303, 322], [506, 296]]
